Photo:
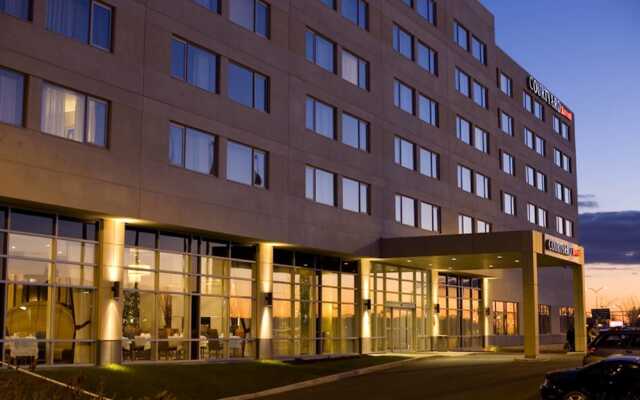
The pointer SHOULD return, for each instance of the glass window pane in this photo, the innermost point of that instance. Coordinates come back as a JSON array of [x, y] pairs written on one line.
[[350, 195], [212, 5], [97, 114], [74, 275], [30, 246], [259, 169], [202, 66], [11, 97], [200, 150], [325, 187], [240, 85], [324, 119], [324, 53], [349, 67], [176, 145], [178, 52], [349, 130], [69, 18], [310, 113], [28, 271], [260, 92], [101, 26], [242, 13], [262, 19], [239, 158], [63, 112], [408, 211], [17, 8], [309, 183]]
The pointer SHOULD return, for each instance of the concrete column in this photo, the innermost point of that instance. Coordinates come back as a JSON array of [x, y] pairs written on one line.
[[433, 328], [110, 305], [486, 319], [365, 297], [579, 316], [530, 306], [265, 311]]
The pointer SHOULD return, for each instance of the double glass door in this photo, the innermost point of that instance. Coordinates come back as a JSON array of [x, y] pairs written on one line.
[[400, 329]]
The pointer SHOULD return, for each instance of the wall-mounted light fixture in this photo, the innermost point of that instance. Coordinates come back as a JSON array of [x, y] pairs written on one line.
[[436, 308], [367, 304], [487, 311], [268, 299], [115, 290]]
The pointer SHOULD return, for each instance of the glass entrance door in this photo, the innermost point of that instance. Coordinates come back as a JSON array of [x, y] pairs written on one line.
[[400, 329]]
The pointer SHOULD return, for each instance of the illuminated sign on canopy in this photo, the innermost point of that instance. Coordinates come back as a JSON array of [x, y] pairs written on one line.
[[545, 94]]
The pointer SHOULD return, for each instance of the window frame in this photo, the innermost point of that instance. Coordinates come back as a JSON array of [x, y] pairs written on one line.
[[435, 216], [398, 87], [361, 185], [482, 57], [398, 157], [509, 205], [185, 64], [502, 116], [216, 140], [360, 123], [314, 128], [24, 83], [359, 3], [255, 4], [315, 186], [510, 165], [334, 49], [434, 163], [457, 28], [254, 74], [398, 199], [362, 66], [502, 78], [254, 150]]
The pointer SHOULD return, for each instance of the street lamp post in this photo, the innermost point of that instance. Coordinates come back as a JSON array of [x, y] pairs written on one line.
[[597, 291]]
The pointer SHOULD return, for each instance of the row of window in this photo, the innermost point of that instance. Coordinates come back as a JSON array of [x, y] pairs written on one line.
[[320, 118], [405, 98], [471, 181], [471, 88], [415, 50], [321, 186], [409, 210], [469, 43], [253, 15], [479, 139], [505, 318], [356, 11], [425, 161]]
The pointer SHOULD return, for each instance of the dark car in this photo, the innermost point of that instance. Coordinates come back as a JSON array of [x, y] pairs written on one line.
[[614, 342], [616, 378]]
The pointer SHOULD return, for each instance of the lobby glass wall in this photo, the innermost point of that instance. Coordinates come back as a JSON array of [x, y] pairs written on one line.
[[314, 305], [399, 311], [187, 298], [460, 300], [47, 288]]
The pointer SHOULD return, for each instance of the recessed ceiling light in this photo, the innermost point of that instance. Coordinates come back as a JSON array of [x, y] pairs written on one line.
[[453, 259], [409, 260], [491, 266], [431, 265], [450, 267], [499, 257], [517, 261]]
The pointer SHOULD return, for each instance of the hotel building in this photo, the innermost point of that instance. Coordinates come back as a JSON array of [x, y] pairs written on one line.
[[218, 179]]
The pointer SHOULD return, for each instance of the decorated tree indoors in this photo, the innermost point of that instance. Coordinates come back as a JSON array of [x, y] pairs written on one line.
[[131, 310]]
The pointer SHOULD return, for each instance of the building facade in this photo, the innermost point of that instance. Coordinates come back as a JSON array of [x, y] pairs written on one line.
[[213, 179]]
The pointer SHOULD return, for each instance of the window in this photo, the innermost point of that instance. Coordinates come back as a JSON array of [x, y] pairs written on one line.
[[17, 8], [461, 36], [482, 186], [479, 50], [508, 203], [427, 110], [192, 149], [427, 58], [482, 226], [427, 10], [429, 162], [506, 123], [83, 20], [464, 179], [356, 11], [563, 193], [542, 217], [531, 213], [320, 118], [507, 163], [405, 210], [506, 85], [355, 70], [564, 131], [355, 132], [480, 140], [355, 196], [538, 110], [251, 14], [465, 224], [556, 124], [564, 226], [11, 97], [562, 160], [320, 51], [74, 116], [530, 175], [462, 83], [195, 65], [527, 102], [213, 5], [403, 42], [540, 146], [320, 186], [248, 87], [505, 318], [404, 153], [541, 181], [246, 165], [544, 319], [463, 130], [429, 217], [329, 3], [529, 138], [403, 96], [480, 95]]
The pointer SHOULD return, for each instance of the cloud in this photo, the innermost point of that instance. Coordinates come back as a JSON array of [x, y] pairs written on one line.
[[587, 201], [611, 237]]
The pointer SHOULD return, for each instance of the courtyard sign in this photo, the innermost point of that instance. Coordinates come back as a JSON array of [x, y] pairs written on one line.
[[545, 94]]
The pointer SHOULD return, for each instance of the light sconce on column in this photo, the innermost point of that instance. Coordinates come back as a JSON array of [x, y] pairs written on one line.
[[436, 308], [268, 299], [115, 290], [367, 304]]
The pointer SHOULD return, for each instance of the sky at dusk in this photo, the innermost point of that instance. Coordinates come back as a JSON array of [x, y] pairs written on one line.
[[587, 52]]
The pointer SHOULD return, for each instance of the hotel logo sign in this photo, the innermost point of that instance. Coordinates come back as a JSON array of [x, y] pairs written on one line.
[[562, 249], [545, 94]]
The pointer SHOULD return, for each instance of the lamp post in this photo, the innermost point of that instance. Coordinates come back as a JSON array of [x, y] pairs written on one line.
[[596, 291]]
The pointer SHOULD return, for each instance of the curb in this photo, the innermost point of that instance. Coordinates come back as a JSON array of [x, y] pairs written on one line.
[[322, 380]]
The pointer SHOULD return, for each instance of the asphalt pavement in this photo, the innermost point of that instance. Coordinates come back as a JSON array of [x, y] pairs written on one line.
[[471, 377]]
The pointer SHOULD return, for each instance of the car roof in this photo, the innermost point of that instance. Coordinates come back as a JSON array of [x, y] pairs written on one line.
[[629, 359]]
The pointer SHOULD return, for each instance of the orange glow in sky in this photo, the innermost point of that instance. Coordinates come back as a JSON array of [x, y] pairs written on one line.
[[613, 286]]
